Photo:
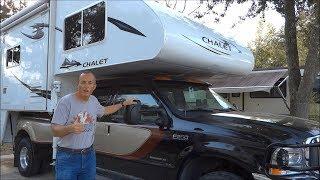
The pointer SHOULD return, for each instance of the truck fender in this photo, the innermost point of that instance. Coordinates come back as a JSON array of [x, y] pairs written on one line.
[[27, 127], [38, 132], [216, 155], [229, 152]]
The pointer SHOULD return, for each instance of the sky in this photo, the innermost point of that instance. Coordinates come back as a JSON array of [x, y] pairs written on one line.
[[243, 33]]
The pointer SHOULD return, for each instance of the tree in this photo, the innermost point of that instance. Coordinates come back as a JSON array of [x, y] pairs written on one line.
[[300, 88], [8, 8], [269, 45]]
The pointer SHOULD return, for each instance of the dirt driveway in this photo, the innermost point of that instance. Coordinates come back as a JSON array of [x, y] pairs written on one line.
[[8, 172]]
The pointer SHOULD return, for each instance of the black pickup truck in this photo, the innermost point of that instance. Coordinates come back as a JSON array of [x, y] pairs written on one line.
[[180, 129]]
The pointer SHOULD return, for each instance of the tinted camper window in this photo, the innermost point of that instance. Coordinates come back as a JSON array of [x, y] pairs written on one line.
[[93, 24], [85, 27], [72, 31], [13, 57]]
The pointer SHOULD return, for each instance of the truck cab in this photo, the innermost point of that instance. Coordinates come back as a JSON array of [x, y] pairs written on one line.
[[180, 129]]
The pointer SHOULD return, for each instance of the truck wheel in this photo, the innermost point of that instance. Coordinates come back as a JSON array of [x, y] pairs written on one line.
[[28, 163], [220, 175]]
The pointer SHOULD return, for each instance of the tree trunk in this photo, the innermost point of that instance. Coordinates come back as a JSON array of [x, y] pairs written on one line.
[[292, 54], [301, 89]]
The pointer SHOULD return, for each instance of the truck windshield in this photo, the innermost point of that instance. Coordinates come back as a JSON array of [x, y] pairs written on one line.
[[189, 97]]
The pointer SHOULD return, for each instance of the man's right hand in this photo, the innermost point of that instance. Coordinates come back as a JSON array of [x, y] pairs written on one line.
[[77, 127]]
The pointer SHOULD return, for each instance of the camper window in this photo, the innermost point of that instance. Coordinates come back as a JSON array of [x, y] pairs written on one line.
[[13, 57], [85, 27]]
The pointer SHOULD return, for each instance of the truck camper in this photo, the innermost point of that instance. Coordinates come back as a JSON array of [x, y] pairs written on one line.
[[179, 129]]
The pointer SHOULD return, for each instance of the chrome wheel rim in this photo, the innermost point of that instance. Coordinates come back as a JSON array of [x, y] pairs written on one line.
[[24, 157]]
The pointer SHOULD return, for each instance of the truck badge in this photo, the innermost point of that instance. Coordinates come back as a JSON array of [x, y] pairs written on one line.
[[180, 137]]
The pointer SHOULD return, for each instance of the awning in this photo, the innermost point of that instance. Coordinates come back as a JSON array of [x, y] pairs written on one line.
[[256, 81]]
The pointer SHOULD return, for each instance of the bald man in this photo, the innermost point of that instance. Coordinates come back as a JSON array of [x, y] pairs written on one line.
[[73, 123]]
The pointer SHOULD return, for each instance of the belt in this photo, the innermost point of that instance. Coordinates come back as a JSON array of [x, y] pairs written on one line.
[[81, 151]]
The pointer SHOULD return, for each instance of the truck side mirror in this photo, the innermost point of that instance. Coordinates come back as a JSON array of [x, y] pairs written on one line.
[[133, 113], [163, 120]]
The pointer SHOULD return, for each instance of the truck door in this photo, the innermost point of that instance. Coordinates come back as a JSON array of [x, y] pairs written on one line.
[[132, 148]]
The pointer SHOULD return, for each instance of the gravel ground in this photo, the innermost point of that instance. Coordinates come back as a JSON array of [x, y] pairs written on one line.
[[6, 149], [9, 172]]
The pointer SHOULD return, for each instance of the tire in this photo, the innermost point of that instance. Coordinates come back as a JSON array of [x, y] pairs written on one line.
[[220, 175], [28, 163]]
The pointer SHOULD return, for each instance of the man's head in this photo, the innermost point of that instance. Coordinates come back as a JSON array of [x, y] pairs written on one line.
[[87, 84]]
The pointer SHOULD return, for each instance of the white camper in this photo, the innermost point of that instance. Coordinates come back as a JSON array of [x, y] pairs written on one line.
[[45, 46], [179, 128]]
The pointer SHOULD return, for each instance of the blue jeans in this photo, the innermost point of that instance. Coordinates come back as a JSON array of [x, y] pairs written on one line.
[[75, 166]]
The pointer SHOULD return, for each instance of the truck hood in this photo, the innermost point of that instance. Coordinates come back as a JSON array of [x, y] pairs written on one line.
[[275, 128]]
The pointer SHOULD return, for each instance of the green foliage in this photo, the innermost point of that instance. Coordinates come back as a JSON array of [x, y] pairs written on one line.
[[8, 8], [269, 45]]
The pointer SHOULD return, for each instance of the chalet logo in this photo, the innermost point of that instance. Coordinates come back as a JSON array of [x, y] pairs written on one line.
[[38, 32], [217, 43], [214, 45], [67, 63], [95, 63]]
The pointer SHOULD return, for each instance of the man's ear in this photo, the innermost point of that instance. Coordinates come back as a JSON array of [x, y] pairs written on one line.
[[94, 87]]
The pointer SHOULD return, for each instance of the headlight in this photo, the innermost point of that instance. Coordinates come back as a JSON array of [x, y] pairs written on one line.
[[287, 157], [299, 160]]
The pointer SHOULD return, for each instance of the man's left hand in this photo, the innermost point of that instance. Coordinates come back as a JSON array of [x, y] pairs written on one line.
[[129, 102]]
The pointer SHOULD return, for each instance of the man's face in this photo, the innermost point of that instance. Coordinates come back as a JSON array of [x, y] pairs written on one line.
[[87, 84]]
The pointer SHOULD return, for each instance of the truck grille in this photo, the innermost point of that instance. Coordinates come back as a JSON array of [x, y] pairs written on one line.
[[314, 152]]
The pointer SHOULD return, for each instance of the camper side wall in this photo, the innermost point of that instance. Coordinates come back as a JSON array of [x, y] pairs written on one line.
[[24, 51]]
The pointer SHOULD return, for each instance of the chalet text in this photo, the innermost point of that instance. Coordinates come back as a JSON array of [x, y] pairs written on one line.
[[220, 44], [95, 63]]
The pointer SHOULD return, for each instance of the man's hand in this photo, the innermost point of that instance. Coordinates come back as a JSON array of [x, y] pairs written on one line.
[[77, 127], [62, 130], [129, 102], [114, 108]]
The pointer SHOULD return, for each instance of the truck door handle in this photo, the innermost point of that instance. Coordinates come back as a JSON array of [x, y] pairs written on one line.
[[198, 129], [108, 129]]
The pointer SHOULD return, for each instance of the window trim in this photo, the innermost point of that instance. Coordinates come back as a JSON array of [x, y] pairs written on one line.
[[81, 10], [10, 49]]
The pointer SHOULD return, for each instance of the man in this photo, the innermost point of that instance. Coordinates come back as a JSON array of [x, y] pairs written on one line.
[[74, 123]]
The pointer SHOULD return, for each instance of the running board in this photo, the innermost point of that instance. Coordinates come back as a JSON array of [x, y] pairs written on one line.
[[115, 175]]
